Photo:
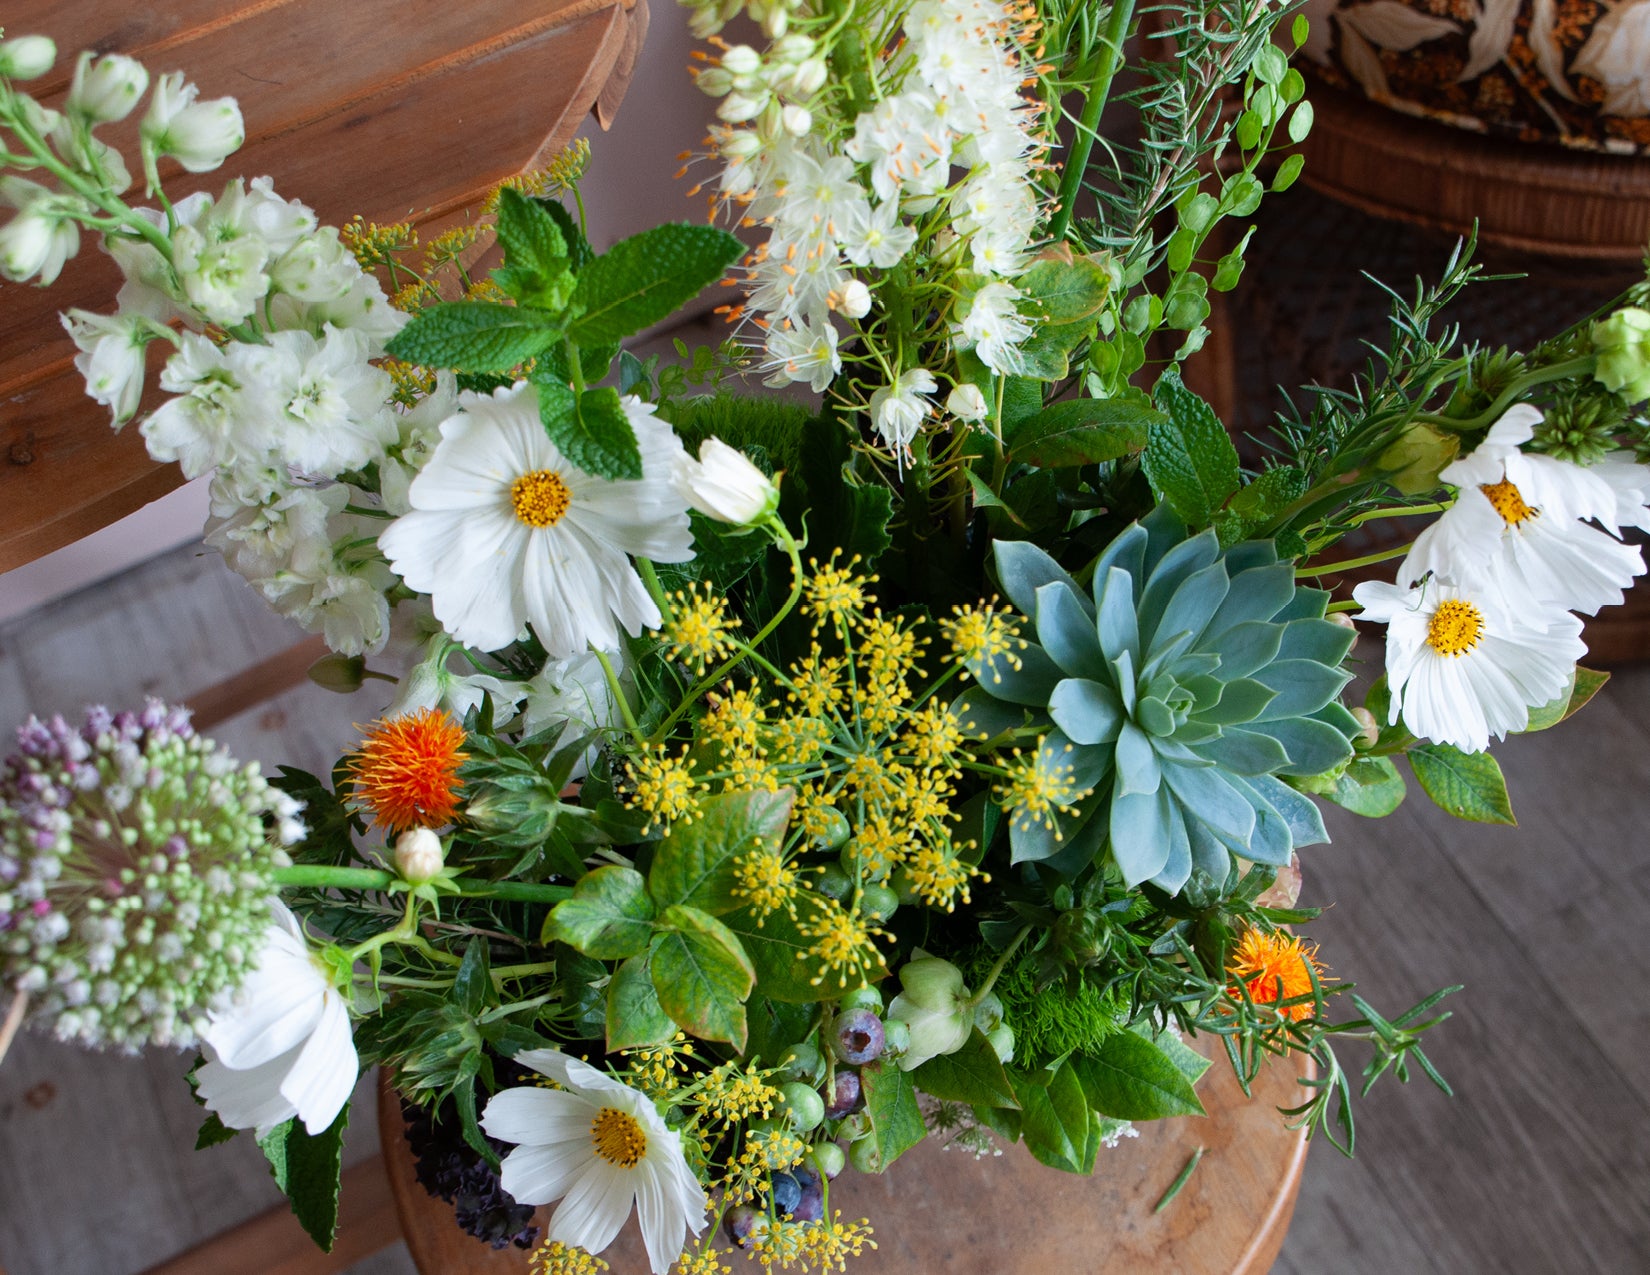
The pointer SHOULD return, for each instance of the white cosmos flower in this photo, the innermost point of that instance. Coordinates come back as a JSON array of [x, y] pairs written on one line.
[[1462, 667], [282, 1048], [1516, 524], [600, 1148], [506, 531]]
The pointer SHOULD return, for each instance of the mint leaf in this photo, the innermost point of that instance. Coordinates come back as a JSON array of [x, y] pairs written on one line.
[[528, 234], [1189, 458], [648, 277], [309, 1172], [973, 1075], [590, 429], [475, 336], [609, 917], [702, 975], [1081, 432], [694, 863], [1468, 785]]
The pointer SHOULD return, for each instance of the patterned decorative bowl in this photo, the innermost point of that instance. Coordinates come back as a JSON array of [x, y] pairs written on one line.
[[1572, 72]]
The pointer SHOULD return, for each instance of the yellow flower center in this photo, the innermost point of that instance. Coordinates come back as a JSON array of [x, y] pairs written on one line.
[[1508, 503], [539, 498], [1455, 628], [618, 1138]]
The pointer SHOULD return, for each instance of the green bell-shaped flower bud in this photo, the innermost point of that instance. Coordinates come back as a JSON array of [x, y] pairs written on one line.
[[934, 1004]]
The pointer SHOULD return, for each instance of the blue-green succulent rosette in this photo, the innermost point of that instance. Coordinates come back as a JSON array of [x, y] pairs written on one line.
[[1179, 690]]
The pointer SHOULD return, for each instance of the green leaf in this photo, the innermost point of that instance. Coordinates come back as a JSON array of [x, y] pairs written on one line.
[[839, 512], [591, 429], [609, 917], [1132, 1078], [1584, 684], [1055, 1118], [694, 863], [1192, 1064], [891, 1107], [1081, 432], [473, 983], [1046, 353], [309, 1172], [1066, 291], [1468, 785], [536, 270], [1189, 458], [475, 336], [1289, 170], [646, 278], [774, 1027], [786, 968], [702, 975], [1271, 64], [1371, 786], [973, 1074], [212, 1132], [1300, 123], [634, 1015], [578, 247]]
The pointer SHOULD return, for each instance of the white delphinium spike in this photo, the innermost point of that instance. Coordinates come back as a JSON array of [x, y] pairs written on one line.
[[199, 135]]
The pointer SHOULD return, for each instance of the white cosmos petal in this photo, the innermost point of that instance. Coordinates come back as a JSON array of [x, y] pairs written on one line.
[[275, 1010], [595, 1207], [538, 1174], [323, 1075], [538, 1116], [249, 1098], [548, 1062]]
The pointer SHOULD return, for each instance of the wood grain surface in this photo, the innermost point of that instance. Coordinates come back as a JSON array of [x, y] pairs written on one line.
[[939, 1210], [403, 111]]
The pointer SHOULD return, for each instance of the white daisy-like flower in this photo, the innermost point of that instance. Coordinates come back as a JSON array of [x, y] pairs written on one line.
[[505, 531], [283, 1047], [993, 328], [898, 409], [1517, 524], [1462, 667], [600, 1147]]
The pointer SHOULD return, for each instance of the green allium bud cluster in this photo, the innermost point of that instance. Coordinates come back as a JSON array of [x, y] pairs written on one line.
[[1580, 430], [137, 865]]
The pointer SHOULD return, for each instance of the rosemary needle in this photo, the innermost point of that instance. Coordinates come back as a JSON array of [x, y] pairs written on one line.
[[1174, 1187]]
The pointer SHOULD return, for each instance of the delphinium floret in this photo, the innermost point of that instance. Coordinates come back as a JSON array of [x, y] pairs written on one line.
[[137, 868]]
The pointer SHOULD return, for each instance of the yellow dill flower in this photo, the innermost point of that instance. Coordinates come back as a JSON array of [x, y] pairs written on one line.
[[778, 1243], [932, 737], [941, 878], [888, 649], [731, 1095], [700, 1258], [819, 817], [552, 1257], [816, 683], [699, 631], [446, 248], [412, 383], [927, 798], [559, 176], [735, 718], [486, 290], [798, 741], [656, 1066], [833, 593], [879, 846], [876, 777], [843, 942], [776, 1150], [663, 786], [414, 297], [749, 770], [881, 703], [764, 882], [829, 1244], [375, 245], [979, 634], [1036, 789]]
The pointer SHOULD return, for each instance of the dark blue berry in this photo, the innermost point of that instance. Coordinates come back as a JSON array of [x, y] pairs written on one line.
[[787, 1192], [858, 1037], [739, 1223], [847, 1096], [811, 1207]]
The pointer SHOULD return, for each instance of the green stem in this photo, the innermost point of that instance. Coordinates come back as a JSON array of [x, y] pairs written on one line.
[[1352, 564], [519, 891], [1513, 392], [655, 590], [984, 989], [318, 876], [525, 971], [1402, 511], [618, 694], [1088, 126]]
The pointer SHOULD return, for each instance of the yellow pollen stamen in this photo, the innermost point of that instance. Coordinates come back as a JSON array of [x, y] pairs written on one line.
[[618, 1138], [1508, 502], [1455, 628], [539, 498]]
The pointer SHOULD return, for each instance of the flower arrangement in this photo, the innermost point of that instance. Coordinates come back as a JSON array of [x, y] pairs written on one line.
[[776, 785]]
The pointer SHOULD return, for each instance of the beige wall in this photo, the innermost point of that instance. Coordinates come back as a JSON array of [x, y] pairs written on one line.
[[630, 186]]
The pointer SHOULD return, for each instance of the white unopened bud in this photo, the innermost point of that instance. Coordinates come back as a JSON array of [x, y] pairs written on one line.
[[967, 403], [419, 857], [27, 57], [737, 143], [854, 301], [714, 81], [106, 89], [741, 59], [798, 120], [724, 485], [40, 238], [808, 78], [737, 108], [199, 135]]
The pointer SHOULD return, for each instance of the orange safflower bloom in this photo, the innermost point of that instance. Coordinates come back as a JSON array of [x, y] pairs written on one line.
[[1265, 962], [406, 770]]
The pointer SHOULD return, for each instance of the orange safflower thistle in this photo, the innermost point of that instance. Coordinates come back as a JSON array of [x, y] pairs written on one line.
[[406, 770], [1263, 962]]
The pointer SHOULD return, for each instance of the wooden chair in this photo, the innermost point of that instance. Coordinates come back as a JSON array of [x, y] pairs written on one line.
[[372, 108]]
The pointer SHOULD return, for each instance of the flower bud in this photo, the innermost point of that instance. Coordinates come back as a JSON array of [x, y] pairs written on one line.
[[724, 485], [797, 120], [1413, 462], [933, 1004], [854, 302], [808, 78], [40, 238], [737, 108], [106, 89], [793, 48], [199, 135], [967, 403], [1001, 1039], [1623, 345], [714, 81], [741, 59], [27, 57], [737, 143], [419, 857], [1369, 730], [345, 674]]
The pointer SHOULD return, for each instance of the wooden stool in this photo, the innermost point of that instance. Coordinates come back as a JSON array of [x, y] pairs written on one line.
[[939, 1210]]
